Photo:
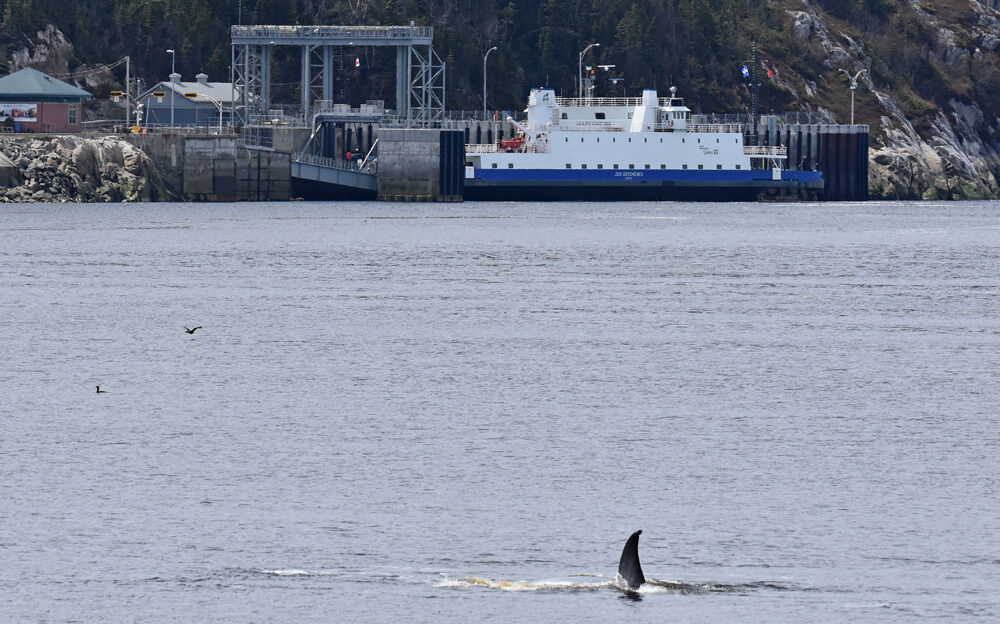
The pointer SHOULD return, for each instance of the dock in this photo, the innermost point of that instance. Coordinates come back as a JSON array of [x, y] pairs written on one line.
[[415, 151]]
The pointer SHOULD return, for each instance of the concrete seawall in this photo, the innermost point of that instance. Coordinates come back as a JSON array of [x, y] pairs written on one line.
[[218, 168]]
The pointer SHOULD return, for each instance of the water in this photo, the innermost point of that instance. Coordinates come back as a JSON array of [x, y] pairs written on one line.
[[453, 413]]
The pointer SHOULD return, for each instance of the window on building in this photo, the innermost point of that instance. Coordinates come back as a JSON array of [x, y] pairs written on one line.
[[72, 113]]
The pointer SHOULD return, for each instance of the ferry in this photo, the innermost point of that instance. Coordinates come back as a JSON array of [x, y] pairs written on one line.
[[611, 149]]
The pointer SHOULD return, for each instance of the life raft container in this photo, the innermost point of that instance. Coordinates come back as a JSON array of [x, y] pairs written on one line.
[[512, 145]]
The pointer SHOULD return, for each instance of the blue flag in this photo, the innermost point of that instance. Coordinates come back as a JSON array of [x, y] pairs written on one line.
[[746, 72]]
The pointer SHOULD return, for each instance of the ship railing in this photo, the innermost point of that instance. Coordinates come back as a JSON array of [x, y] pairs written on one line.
[[733, 127], [493, 148], [768, 151], [606, 101], [592, 126], [598, 101]]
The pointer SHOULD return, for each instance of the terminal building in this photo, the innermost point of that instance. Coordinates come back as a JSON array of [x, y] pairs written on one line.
[[32, 101]]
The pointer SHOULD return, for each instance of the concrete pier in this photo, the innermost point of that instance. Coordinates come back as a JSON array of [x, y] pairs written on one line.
[[421, 165]]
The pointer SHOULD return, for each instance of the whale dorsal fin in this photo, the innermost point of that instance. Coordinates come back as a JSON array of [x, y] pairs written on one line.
[[628, 567]]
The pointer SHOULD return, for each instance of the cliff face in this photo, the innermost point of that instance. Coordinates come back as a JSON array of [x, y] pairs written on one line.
[[930, 139], [76, 169]]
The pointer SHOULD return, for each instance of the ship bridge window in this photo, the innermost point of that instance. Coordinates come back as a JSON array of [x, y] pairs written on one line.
[[598, 115], [565, 116]]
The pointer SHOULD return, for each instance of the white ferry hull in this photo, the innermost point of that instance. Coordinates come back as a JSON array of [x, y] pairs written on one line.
[[625, 149]]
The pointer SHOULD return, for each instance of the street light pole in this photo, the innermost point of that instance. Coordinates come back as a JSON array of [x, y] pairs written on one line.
[[127, 93], [854, 85], [486, 56], [580, 69], [173, 59], [194, 97]]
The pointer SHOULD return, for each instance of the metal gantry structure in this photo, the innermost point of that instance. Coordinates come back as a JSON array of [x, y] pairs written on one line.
[[420, 75]]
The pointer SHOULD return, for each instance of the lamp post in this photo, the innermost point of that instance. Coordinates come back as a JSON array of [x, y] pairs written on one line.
[[486, 56], [193, 96], [854, 85], [580, 69], [173, 59]]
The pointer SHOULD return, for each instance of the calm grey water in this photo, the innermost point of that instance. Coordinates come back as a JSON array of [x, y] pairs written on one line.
[[454, 413]]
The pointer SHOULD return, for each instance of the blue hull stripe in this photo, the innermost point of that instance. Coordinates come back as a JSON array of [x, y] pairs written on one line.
[[624, 176]]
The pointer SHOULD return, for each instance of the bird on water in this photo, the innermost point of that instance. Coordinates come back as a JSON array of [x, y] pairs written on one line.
[[99, 391], [192, 330]]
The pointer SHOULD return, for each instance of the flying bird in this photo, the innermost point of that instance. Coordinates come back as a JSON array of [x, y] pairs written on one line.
[[192, 330]]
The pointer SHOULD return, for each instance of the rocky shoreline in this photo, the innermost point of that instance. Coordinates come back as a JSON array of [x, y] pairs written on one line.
[[68, 168]]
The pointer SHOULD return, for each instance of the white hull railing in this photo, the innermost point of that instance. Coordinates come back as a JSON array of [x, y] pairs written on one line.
[[493, 148], [768, 151]]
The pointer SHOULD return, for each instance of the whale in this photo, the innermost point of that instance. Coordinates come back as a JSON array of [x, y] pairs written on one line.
[[629, 568]]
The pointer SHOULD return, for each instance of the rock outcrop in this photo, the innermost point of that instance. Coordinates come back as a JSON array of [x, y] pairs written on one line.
[[78, 169], [951, 151]]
